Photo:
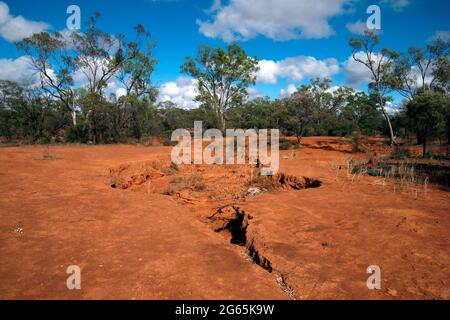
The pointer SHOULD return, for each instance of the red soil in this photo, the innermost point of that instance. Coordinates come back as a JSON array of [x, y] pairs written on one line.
[[133, 242]]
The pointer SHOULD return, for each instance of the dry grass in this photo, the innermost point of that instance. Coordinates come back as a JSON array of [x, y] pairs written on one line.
[[192, 182], [402, 177], [170, 170], [262, 182]]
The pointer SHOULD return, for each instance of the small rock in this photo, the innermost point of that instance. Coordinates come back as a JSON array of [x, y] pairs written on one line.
[[252, 192]]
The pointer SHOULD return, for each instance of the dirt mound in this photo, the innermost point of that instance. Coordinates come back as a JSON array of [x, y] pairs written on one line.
[[194, 184], [129, 175], [285, 181]]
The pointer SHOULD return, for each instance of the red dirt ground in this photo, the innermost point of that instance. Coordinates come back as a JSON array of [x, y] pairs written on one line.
[[137, 243]]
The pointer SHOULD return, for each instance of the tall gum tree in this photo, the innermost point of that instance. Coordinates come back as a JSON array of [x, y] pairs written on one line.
[[380, 64], [223, 77], [422, 69], [55, 66]]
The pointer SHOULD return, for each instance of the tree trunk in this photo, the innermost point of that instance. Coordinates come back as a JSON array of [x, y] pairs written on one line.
[[74, 117], [222, 121], [392, 141], [425, 150]]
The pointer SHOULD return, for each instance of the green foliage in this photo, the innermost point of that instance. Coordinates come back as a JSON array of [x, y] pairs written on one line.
[[428, 111], [79, 133], [61, 111], [356, 140], [223, 77], [286, 144], [380, 65], [400, 153]]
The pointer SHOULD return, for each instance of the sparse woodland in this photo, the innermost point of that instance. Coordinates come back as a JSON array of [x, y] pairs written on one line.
[[58, 111]]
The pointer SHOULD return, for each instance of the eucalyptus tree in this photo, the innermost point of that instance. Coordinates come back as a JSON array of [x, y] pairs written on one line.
[[423, 69], [137, 69], [223, 77], [55, 66], [302, 111], [380, 65], [99, 56]]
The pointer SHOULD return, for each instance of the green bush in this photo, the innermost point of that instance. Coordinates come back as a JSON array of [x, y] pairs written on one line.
[[286, 144], [79, 134], [400, 153], [356, 142]]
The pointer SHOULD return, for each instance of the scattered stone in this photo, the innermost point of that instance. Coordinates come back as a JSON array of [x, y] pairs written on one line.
[[253, 192]]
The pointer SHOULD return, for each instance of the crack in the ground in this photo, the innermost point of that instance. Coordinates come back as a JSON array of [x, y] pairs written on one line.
[[235, 221], [228, 219], [235, 224]]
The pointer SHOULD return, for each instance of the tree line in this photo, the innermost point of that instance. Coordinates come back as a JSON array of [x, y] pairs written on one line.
[[62, 108]]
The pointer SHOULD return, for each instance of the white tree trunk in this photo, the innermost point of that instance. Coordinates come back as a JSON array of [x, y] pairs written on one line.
[[74, 117]]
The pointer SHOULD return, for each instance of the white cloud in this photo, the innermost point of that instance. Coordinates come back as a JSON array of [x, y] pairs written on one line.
[[396, 5], [357, 27], [216, 6], [356, 73], [18, 70], [333, 89], [115, 88], [182, 92], [274, 19], [443, 34], [254, 93], [392, 108], [16, 28], [284, 93], [296, 69]]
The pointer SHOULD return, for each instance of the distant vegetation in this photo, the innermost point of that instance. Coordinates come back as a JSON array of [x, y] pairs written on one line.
[[60, 111]]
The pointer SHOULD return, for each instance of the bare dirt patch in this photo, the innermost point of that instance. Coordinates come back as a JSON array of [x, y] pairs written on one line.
[[135, 242]]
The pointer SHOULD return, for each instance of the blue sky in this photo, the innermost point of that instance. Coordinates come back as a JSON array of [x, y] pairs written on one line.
[[297, 39]]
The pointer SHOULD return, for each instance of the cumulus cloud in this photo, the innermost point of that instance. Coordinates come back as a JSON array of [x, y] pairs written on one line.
[[396, 5], [18, 70], [274, 19], [16, 28], [359, 27], [284, 93], [296, 69], [254, 93], [115, 88], [182, 92], [392, 108], [442, 34], [356, 73]]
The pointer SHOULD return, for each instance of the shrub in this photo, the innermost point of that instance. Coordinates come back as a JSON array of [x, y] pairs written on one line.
[[400, 153], [263, 183], [79, 133], [168, 143], [285, 144], [172, 169], [194, 182], [356, 142]]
